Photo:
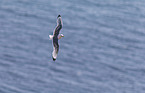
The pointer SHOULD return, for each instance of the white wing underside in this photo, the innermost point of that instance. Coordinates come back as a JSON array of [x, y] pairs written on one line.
[[54, 53]]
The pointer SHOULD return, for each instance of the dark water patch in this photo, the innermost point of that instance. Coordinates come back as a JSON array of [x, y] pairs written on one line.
[[56, 70], [9, 88]]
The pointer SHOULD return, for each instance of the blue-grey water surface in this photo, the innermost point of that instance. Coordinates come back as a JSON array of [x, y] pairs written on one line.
[[103, 49]]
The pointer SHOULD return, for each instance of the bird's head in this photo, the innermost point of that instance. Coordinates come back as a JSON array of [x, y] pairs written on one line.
[[61, 35]]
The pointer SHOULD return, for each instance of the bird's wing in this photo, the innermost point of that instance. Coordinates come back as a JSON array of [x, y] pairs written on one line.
[[55, 48], [58, 27]]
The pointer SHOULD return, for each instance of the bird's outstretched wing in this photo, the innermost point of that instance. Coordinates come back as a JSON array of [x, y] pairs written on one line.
[[55, 49], [58, 27]]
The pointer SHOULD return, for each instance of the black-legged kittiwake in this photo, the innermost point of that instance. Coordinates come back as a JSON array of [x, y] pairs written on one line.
[[55, 37]]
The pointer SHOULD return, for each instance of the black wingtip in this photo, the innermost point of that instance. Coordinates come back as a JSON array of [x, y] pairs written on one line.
[[59, 16], [53, 59]]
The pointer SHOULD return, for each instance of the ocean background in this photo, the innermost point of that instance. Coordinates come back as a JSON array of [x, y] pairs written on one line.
[[103, 49]]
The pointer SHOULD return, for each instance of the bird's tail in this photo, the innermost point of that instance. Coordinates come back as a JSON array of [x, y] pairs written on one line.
[[50, 37]]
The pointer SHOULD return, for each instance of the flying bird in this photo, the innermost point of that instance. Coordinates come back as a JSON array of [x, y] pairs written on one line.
[[55, 37]]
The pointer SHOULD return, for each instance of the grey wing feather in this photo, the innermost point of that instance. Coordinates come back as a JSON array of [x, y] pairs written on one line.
[[58, 27], [55, 43], [55, 48]]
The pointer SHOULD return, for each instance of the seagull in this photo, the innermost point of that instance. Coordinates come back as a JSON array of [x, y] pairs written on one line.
[[55, 37]]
